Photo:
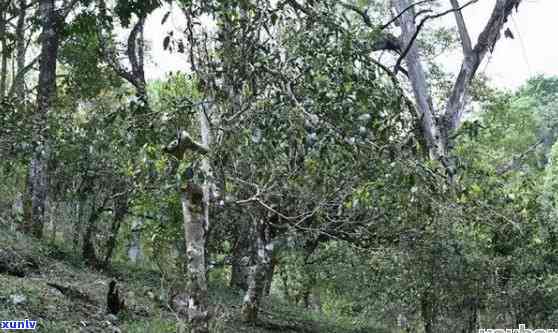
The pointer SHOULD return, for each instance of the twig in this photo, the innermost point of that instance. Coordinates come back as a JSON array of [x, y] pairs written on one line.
[[383, 27]]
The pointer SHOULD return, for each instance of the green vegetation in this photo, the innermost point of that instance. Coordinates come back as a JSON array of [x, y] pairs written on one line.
[[314, 170], [56, 312]]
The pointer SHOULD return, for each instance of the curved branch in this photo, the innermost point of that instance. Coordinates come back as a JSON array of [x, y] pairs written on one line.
[[384, 26]]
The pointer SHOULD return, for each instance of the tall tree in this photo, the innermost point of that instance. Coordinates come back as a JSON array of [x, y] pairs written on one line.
[[51, 20], [18, 86], [438, 127], [4, 55]]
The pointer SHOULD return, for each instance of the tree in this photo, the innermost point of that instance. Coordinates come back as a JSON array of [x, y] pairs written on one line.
[[438, 127], [37, 187]]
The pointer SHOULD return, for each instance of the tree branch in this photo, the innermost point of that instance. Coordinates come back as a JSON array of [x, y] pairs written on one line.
[[185, 142], [387, 42], [136, 55], [384, 26], [365, 17], [20, 76], [513, 163], [421, 25], [67, 8], [486, 42], [33, 3], [462, 28], [135, 75]]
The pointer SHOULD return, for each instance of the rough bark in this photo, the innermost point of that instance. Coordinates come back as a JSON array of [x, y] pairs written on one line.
[[243, 258], [26, 198], [46, 92], [18, 86], [38, 189], [196, 239], [193, 209], [471, 306]]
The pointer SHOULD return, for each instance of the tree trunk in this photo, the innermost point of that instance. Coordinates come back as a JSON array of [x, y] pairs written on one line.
[[257, 272], [17, 208], [427, 312], [53, 222], [241, 254], [193, 208], [437, 132], [269, 273], [471, 312], [311, 297], [78, 222], [417, 76], [26, 200], [19, 81], [4, 54], [120, 210], [38, 190], [52, 208], [134, 250], [88, 246], [46, 92], [285, 282]]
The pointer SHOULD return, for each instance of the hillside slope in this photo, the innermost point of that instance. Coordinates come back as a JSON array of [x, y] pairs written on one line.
[[32, 275]]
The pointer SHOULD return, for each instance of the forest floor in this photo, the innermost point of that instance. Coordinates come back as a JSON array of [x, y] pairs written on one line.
[[30, 273]]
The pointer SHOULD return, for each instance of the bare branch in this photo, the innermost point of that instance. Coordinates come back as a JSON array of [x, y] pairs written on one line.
[[403, 12], [462, 28], [421, 25], [486, 42]]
